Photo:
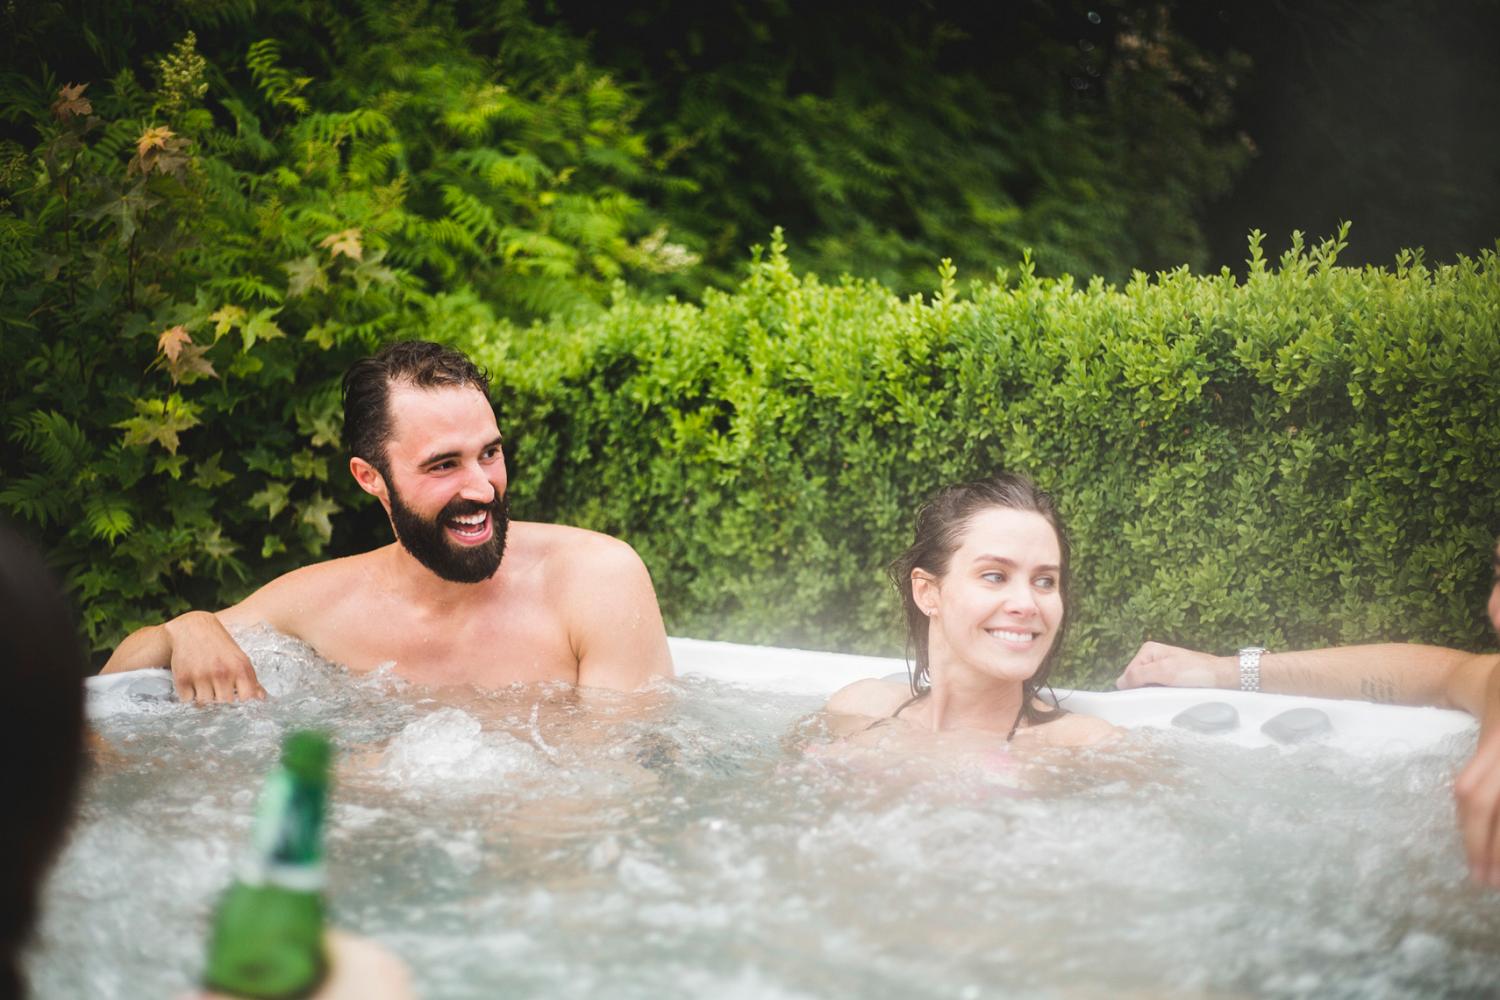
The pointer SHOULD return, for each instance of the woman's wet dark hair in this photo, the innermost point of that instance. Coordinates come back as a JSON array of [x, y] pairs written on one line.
[[941, 523], [367, 390], [41, 738]]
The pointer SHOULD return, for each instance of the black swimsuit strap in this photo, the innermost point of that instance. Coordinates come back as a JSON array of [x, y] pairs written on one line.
[[901, 708], [913, 699]]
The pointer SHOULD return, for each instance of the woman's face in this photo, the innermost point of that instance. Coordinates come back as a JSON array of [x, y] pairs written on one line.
[[998, 608]]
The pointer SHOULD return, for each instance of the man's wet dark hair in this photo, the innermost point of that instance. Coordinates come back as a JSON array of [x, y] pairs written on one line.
[[367, 390], [41, 738]]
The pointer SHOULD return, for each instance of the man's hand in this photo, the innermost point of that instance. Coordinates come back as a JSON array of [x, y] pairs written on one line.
[[1158, 663], [207, 664], [1477, 787], [1477, 790]]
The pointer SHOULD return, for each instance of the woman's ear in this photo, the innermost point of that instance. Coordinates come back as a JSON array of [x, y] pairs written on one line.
[[925, 591]]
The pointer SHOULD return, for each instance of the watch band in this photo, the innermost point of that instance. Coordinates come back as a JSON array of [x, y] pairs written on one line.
[[1250, 667]]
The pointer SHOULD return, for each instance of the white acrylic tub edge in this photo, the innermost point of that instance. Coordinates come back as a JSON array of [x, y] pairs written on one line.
[[1358, 726]]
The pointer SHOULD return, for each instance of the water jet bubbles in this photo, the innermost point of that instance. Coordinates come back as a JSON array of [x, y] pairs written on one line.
[[449, 747], [1094, 17]]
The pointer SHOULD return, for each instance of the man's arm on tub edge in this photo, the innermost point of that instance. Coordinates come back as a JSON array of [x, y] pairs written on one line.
[[206, 661], [1389, 673], [1396, 673]]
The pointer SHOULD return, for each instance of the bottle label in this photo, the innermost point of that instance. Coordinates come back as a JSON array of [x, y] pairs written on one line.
[[289, 822], [258, 873]]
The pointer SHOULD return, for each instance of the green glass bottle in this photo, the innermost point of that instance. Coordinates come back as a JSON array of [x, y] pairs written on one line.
[[267, 940]]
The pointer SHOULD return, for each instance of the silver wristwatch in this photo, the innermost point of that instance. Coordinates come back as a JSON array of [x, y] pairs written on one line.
[[1250, 667]]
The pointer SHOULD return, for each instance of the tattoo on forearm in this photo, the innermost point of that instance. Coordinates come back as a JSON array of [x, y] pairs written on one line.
[[1378, 689]]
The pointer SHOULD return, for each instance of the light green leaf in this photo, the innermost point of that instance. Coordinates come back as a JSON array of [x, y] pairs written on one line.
[[317, 514], [304, 275], [273, 498], [307, 465], [159, 421], [209, 476]]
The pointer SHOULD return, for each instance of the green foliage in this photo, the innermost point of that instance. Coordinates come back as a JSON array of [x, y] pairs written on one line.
[[1307, 457], [914, 132], [252, 193], [188, 264]]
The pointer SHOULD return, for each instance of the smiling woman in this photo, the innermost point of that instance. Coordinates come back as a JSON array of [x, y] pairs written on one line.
[[983, 588]]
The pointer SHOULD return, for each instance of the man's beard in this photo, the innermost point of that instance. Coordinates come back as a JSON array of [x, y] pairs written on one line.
[[428, 541]]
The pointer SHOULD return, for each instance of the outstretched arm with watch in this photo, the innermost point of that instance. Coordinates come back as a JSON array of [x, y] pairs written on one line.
[[1393, 673], [1389, 673]]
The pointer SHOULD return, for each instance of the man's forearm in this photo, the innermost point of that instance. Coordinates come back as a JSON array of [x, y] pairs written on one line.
[[147, 647], [1390, 673], [1488, 709]]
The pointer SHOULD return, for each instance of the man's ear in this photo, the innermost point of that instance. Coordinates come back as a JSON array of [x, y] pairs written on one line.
[[370, 480]]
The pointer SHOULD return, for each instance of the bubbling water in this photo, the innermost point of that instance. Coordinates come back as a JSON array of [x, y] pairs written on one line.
[[704, 839]]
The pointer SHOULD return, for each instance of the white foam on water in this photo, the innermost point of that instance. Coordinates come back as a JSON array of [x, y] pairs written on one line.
[[449, 748]]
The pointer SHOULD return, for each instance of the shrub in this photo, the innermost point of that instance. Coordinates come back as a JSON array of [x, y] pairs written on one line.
[[1305, 457], [185, 273]]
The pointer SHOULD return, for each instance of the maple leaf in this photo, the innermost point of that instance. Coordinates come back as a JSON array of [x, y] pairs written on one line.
[[126, 211], [216, 546], [273, 498], [159, 421], [156, 137], [371, 271], [226, 318], [304, 275], [159, 149], [71, 102], [209, 476], [171, 342], [346, 243], [191, 365], [316, 513], [261, 327]]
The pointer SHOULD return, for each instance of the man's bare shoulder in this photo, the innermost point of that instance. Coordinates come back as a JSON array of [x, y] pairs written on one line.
[[307, 589], [872, 698], [571, 557]]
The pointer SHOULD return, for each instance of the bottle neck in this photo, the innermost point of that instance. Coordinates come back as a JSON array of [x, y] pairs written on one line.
[[286, 843]]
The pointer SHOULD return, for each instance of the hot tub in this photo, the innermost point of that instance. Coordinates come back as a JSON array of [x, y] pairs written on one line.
[[694, 841]]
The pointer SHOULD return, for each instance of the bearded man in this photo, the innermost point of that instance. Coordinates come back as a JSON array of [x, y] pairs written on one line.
[[463, 595]]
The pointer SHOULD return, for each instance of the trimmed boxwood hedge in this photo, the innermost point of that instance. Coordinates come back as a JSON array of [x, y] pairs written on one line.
[[1306, 456]]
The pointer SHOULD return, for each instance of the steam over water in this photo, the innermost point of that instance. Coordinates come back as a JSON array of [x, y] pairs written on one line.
[[702, 840]]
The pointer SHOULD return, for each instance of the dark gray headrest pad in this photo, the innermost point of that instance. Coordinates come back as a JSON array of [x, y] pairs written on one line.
[[1209, 717], [151, 687], [1298, 725]]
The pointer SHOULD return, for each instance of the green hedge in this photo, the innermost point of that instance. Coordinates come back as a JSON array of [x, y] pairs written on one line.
[[1307, 456]]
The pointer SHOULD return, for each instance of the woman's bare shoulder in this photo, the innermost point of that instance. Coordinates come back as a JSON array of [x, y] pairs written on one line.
[[872, 697], [1071, 730]]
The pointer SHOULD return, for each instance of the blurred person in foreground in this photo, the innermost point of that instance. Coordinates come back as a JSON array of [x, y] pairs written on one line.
[[1391, 673], [463, 595], [41, 740], [42, 665]]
